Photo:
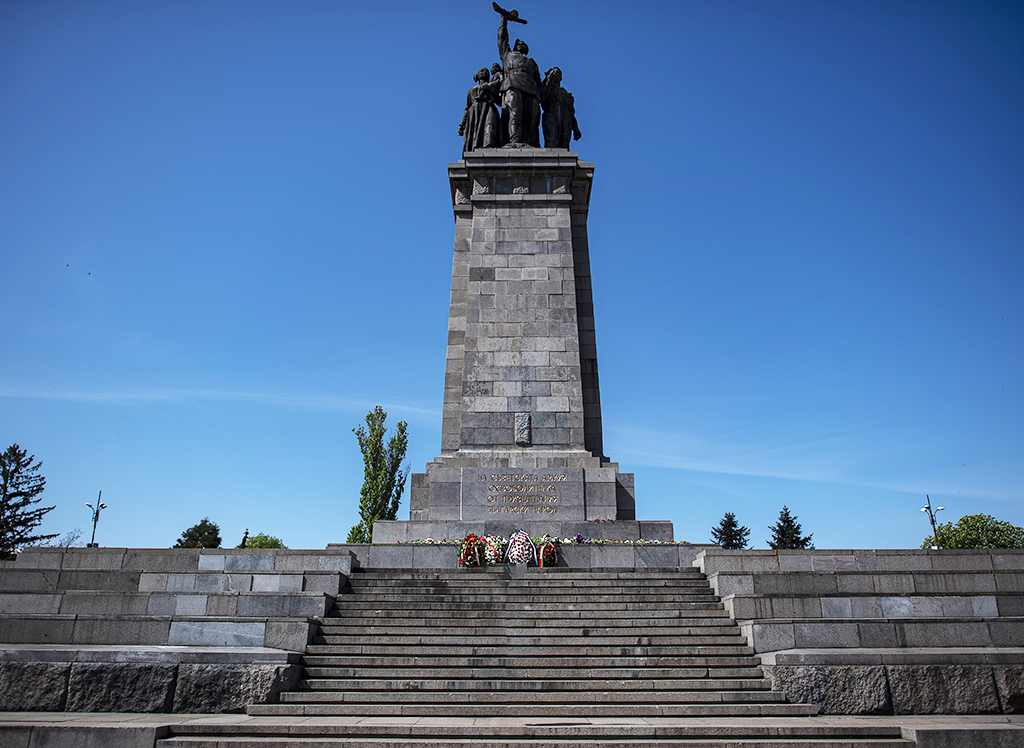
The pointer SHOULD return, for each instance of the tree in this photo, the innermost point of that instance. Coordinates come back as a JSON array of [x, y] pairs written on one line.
[[729, 534], [261, 540], [786, 533], [383, 476], [20, 484], [976, 531], [206, 534]]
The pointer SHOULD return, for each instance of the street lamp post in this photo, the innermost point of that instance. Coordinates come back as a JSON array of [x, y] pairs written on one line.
[[95, 518], [927, 508]]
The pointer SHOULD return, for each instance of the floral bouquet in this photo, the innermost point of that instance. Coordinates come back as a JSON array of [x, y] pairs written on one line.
[[494, 548], [547, 554], [472, 552]]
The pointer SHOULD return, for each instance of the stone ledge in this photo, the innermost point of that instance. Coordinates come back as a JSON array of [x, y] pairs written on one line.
[[160, 654], [904, 656], [911, 688], [771, 635], [143, 680]]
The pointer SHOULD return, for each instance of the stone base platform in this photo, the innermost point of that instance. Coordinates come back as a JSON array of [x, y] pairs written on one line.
[[124, 678], [28, 730], [399, 531], [912, 680]]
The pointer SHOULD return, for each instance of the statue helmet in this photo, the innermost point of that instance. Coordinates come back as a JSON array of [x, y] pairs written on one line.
[[521, 47]]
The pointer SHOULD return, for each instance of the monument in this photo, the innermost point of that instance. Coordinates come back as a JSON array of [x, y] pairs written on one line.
[[521, 438]]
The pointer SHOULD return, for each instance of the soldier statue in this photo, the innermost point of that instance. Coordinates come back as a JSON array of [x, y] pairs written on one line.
[[520, 85]]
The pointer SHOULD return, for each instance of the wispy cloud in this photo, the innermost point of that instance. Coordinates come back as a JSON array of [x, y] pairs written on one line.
[[872, 460], [193, 396]]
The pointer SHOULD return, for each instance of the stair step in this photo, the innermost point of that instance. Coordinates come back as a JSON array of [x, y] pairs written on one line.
[[506, 707], [592, 650], [512, 685], [522, 640], [343, 604], [536, 673], [539, 628], [671, 617], [277, 741], [368, 661]]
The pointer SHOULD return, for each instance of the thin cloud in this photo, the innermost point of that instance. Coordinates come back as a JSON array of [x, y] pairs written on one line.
[[191, 396], [845, 460]]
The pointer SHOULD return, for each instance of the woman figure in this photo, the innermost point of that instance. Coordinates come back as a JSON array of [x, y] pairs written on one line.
[[480, 126]]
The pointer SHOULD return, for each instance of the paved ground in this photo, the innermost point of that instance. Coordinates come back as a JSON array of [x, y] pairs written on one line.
[[1013, 722]]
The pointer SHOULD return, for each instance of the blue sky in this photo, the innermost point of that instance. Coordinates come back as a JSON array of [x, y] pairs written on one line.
[[226, 234]]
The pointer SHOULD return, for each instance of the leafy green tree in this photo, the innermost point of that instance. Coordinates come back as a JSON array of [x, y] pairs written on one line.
[[206, 534], [20, 484], [730, 534], [261, 540], [786, 533], [383, 475], [976, 531]]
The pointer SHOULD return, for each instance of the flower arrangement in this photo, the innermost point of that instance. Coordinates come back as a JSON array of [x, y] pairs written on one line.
[[547, 553], [495, 547], [472, 553]]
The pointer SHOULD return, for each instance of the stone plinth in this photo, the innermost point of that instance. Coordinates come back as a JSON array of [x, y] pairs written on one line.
[[521, 440]]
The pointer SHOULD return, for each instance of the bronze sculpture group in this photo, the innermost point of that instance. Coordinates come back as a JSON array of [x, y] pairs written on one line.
[[515, 84]]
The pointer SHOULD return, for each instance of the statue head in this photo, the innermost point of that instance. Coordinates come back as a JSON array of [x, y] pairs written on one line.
[[553, 77], [496, 68], [521, 47], [483, 75]]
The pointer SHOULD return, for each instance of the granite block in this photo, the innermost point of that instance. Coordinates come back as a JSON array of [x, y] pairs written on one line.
[[33, 686], [27, 603], [609, 556], [795, 561], [834, 689], [120, 630], [37, 630], [225, 605], [819, 635], [880, 634], [653, 556], [770, 637], [942, 689], [161, 560], [93, 558], [209, 688], [216, 633], [1010, 687], [121, 687], [942, 634], [836, 607]]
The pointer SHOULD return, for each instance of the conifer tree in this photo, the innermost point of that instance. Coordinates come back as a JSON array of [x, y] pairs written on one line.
[[383, 476], [730, 534], [786, 533], [20, 484], [205, 534]]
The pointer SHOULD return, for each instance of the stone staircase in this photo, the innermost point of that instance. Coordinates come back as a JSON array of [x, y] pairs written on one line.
[[545, 642], [439, 657]]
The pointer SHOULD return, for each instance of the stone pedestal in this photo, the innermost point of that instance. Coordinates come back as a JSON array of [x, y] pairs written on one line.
[[521, 441]]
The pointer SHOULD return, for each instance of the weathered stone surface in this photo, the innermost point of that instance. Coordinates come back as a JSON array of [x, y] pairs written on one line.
[[1010, 685], [523, 435], [215, 689], [120, 687], [834, 689], [942, 689], [33, 686]]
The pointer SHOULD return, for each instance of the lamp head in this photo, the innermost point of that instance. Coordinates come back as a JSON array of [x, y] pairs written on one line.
[[88, 505]]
